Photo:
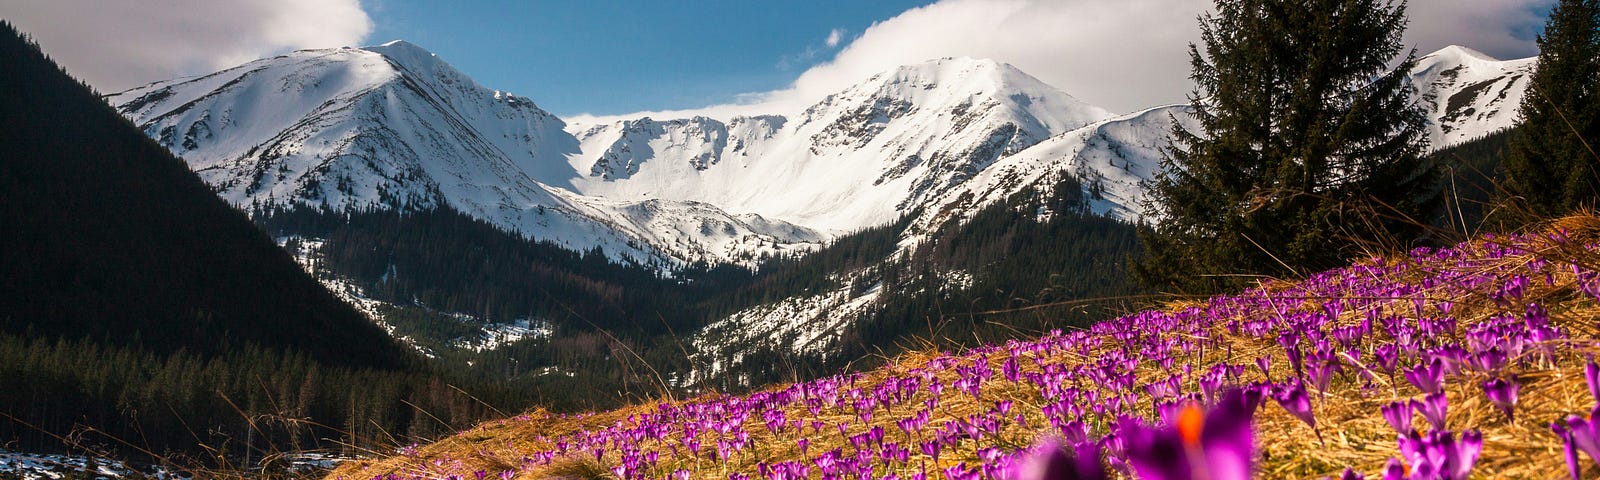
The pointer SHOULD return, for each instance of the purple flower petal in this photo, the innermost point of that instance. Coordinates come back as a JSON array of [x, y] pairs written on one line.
[[1433, 407], [1399, 415], [1428, 377], [1503, 394]]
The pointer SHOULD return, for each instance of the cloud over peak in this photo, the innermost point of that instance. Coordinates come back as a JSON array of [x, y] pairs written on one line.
[[1123, 55], [119, 45]]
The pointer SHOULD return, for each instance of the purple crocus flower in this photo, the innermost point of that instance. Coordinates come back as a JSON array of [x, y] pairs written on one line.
[[1491, 359], [1292, 397], [1581, 433], [1050, 461], [1395, 470], [1452, 356], [1433, 408], [1388, 357], [1503, 394], [1214, 445], [1591, 373], [1399, 415], [1321, 372], [1573, 466], [1440, 455], [931, 449], [1428, 377]]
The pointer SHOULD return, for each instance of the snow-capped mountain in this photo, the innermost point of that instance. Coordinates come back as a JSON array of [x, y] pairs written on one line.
[[1471, 94], [858, 158], [1467, 95], [394, 126]]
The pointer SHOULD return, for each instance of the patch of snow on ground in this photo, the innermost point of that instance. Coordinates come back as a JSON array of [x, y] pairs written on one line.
[[496, 335], [800, 325], [38, 467]]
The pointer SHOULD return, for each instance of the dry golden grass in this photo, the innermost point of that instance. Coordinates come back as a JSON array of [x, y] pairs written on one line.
[[1353, 431]]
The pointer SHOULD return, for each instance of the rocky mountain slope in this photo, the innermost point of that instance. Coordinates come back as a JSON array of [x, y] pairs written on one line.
[[1471, 94]]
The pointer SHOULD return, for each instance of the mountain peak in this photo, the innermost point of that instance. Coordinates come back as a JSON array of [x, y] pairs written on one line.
[[965, 61], [947, 69], [1458, 54], [407, 53], [961, 82], [1471, 94], [399, 46]]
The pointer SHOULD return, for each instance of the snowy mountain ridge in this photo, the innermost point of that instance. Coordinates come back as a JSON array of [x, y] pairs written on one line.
[[858, 158], [394, 126]]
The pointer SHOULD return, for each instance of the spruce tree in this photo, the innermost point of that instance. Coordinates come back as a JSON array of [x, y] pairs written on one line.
[[1308, 144], [1552, 163]]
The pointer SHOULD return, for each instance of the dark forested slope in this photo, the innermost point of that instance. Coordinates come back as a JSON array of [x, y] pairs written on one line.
[[109, 236], [137, 305]]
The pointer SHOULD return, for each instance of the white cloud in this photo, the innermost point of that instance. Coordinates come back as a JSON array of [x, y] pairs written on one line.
[[118, 45], [1122, 55], [834, 36], [802, 59], [1500, 28]]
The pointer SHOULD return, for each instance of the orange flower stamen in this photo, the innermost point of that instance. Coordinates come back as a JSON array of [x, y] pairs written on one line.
[[1190, 421]]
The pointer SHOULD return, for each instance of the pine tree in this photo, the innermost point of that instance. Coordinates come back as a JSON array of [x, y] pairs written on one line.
[[1308, 141], [1552, 162]]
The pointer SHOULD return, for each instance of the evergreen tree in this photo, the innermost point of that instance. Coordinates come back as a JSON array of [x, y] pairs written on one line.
[[1308, 140], [1552, 161]]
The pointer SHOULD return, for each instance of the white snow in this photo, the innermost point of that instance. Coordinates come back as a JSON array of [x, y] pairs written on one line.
[[859, 158], [496, 335], [1471, 94], [31, 466], [801, 325]]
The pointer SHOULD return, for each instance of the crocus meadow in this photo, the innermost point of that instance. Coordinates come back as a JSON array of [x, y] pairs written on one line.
[[1470, 361]]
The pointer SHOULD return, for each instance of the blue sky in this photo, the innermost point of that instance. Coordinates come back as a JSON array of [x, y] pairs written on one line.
[[678, 58], [590, 56]]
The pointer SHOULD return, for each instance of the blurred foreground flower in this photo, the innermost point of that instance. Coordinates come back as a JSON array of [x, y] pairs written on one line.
[[1214, 445]]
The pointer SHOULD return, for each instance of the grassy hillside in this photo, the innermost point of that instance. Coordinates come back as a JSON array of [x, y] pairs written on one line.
[[1321, 359]]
